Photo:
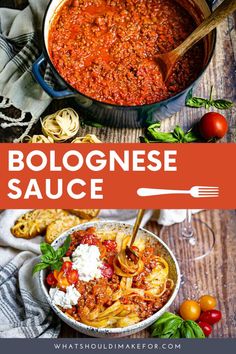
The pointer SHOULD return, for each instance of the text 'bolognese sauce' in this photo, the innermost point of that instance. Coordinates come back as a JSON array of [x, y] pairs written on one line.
[[106, 49]]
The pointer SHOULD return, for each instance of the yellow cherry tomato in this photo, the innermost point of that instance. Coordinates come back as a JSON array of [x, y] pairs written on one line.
[[190, 310], [207, 302], [62, 280]]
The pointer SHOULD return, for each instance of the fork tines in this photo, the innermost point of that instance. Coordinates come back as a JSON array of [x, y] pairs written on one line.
[[208, 191]]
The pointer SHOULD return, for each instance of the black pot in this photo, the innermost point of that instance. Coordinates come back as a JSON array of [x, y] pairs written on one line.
[[115, 115]]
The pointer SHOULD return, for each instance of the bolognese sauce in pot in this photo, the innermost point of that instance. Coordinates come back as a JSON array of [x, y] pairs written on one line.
[[106, 49]]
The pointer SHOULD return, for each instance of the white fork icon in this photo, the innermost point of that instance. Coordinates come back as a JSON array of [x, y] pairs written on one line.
[[195, 192]]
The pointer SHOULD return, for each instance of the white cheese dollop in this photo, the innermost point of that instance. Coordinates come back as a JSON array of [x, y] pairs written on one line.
[[65, 300], [86, 259]]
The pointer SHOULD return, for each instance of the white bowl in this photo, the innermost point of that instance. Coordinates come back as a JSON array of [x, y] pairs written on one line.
[[163, 250]]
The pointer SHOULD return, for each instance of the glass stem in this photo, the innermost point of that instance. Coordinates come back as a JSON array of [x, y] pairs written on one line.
[[187, 229]]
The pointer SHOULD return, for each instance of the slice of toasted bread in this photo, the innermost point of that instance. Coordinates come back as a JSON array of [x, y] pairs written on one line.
[[60, 225], [87, 214], [35, 222]]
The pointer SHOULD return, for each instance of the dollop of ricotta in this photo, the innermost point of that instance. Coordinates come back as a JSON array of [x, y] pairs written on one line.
[[86, 259], [67, 299]]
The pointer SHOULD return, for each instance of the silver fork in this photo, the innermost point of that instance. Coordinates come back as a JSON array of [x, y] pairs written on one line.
[[195, 192]]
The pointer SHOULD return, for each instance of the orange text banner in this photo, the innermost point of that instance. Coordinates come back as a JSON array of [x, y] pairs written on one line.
[[117, 176]]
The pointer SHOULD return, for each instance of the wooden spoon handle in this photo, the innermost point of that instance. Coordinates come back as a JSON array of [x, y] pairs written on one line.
[[222, 11], [136, 225]]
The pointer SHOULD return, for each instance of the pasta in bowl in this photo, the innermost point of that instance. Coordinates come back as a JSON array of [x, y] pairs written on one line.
[[98, 294]]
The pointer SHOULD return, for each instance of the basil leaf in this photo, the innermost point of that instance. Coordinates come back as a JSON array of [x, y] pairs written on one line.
[[177, 334], [39, 266], [45, 248], [161, 137], [164, 317], [171, 326], [190, 137], [196, 102], [178, 133], [47, 259], [60, 252], [186, 331], [166, 325], [222, 104], [156, 125], [57, 265], [50, 257], [198, 332]]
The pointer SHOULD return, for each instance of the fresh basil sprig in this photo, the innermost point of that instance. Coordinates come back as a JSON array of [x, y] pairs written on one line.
[[173, 326], [51, 257], [198, 102], [154, 135]]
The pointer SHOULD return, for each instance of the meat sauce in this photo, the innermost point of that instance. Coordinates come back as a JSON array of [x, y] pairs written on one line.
[[106, 49]]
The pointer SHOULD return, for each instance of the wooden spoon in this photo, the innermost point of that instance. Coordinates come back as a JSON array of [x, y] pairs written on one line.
[[167, 61], [130, 252]]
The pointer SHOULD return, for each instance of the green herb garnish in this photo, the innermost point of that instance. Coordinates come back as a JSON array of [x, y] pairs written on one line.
[[154, 135], [50, 257], [173, 326], [198, 102]]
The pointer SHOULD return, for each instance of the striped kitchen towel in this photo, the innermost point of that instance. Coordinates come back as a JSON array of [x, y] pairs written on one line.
[[20, 38], [24, 311]]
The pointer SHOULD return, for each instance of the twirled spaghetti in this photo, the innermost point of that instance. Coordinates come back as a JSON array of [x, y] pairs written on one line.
[[125, 293]]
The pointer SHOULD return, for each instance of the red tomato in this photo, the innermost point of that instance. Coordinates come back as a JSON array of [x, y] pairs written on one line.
[[110, 245], [66, 267], [207, 329], [213, 126], [72, 276], [107, 270], [90, 239], [51, 280], [211, 316]]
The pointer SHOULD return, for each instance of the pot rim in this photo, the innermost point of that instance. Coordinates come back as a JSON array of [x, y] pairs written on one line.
[[136, 327], [117, 106]]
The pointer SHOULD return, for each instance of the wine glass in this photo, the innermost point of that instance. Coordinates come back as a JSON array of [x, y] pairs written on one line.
[[190, 240]]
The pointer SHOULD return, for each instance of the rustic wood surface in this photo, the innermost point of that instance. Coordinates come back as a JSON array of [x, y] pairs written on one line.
[[221, 73], [214, 274]]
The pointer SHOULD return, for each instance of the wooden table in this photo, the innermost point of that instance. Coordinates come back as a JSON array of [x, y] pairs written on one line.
[[214, 274]]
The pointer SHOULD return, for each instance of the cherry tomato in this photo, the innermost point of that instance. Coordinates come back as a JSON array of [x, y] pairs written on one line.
[[90, 239], [66, 267], [190, 310], [207, 329], [72, 276], [213, 126], [107, 270], [207, 302], [55, 273], [110, 245], [62, 280], [211, 316], [51, 280]]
